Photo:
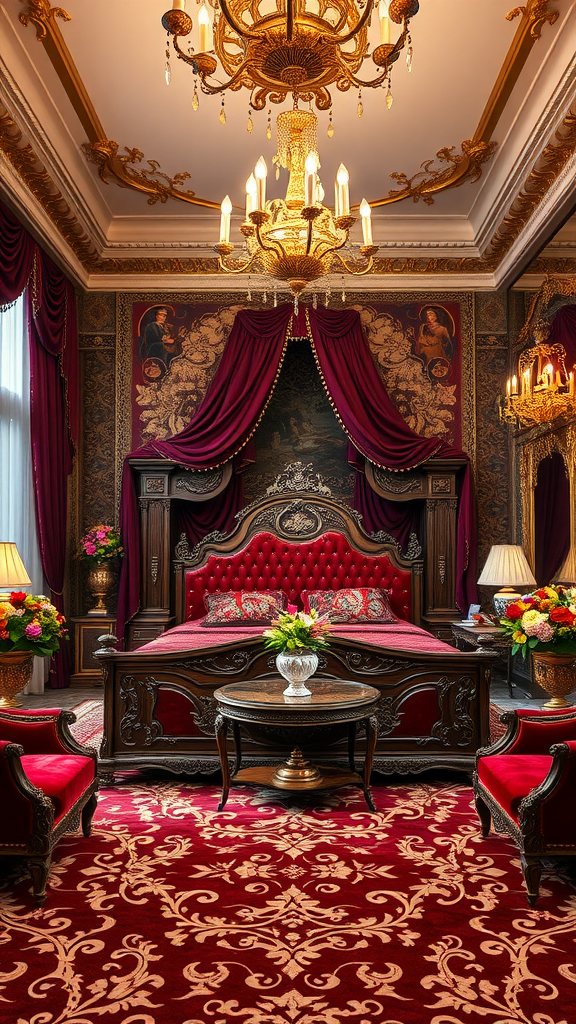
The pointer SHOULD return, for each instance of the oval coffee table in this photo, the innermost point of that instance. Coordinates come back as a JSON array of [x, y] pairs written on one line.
[[262, 702]]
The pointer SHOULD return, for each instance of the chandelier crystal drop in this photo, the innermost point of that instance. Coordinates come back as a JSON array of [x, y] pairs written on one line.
[[277, 48], [296, 239]]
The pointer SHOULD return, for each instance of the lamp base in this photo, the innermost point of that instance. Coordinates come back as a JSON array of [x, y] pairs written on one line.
[[503, 598]]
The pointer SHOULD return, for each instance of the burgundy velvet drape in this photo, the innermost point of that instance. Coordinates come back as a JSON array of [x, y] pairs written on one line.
[[53, 338], [377, 429], [563, 330], [222, 425], [551, 518]]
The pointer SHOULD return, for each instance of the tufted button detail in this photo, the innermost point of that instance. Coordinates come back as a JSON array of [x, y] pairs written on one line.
[[266, 563]]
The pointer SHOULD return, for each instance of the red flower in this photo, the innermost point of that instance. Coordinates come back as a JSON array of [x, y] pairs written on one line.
[[514, 611], [17, 598], [540, 593], [563, 615]]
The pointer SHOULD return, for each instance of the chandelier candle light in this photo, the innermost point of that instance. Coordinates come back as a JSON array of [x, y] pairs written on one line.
[[293, 47], [547, 388], [296, 239]]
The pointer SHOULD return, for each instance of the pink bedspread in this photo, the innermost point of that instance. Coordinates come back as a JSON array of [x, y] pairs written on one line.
[[404, 636]]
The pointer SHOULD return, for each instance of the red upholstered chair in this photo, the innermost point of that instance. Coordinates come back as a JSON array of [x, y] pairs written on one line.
[[47, 782], [526, 783]]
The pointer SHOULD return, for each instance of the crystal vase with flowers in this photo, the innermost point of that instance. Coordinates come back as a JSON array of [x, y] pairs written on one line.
[[543, 623], [297, 637], [29, 625], [99, 548]]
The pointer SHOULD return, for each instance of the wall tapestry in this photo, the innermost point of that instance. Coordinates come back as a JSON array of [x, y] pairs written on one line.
[[177, 348]]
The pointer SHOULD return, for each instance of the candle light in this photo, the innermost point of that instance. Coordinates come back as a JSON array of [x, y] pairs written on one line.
[[384, 21], [310, 167], [571, 383], [204, 30], [514, 385], [508, 387], [342, 192], [226, 210], [366, 213], [250, 195], [527, 382], [260, 172], [548, 375]]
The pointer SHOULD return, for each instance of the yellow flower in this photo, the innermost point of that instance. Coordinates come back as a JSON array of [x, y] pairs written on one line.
[[520, 638], [530, 618]]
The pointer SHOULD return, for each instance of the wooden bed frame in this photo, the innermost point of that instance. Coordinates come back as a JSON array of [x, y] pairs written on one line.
[[433, 712]]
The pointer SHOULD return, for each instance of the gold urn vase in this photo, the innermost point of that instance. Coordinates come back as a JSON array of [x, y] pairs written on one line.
[[100, 582], [15, 673], [556, 674]]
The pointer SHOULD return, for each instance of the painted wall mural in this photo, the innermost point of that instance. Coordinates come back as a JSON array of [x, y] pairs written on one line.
[[177, 346]]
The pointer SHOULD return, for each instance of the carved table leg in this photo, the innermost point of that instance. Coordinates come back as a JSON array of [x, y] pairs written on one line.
[[351, 745], [238, 746], [371, 726], [221, 734]]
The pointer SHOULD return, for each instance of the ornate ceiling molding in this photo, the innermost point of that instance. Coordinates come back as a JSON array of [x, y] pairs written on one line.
[[32, 172], [158, 186]]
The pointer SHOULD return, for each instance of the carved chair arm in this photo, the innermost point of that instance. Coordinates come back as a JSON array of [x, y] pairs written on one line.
[[23, 804], [532, 731], [547, 812], [42, 732]]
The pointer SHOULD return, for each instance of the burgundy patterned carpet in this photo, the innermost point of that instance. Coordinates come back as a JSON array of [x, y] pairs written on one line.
[[287, 912]]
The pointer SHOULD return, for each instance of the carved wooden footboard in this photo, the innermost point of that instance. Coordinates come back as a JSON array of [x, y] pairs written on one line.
[[160, 710]]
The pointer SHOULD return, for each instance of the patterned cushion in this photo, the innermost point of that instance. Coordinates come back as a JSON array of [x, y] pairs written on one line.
[[251, 607], [361, 604]]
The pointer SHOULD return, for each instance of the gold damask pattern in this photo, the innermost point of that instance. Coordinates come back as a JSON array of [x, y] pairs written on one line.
[[287, 912]]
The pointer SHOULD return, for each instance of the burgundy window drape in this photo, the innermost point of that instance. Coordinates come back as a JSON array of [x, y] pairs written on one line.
[[551, 518], [234, 403], [54, 407]]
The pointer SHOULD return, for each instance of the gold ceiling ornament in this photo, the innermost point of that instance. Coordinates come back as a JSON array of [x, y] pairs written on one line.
[[290, 47], [296, 239], [544, 388], [151, 180], [539, 14]]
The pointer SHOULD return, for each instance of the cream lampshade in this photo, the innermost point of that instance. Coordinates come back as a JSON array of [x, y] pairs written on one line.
[[12, 572], [506, 567], [567, 574]]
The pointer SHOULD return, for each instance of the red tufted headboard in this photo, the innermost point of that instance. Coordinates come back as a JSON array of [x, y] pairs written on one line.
[[267, 562]]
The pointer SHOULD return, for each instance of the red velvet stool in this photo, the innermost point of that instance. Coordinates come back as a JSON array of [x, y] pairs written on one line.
[[47, 783], [526, 784]]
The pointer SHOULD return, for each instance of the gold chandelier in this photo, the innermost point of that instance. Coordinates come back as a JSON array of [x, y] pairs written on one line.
[[296, 239], [300, 48], [543, 389]]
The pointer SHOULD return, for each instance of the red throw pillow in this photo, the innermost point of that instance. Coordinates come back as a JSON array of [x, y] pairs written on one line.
[[243, 607], [353, 604]]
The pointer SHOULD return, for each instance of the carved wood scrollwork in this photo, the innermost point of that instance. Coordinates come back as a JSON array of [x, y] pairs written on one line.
[[226, 663], [367, 663], [456, 725], [139, 696]]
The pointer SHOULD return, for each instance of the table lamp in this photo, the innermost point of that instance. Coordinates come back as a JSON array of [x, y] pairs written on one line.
[[13, 575], [567, 574], [506, 567]]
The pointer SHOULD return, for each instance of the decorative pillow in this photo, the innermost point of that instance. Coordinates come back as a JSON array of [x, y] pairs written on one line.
[[362, 604], [244, 607]]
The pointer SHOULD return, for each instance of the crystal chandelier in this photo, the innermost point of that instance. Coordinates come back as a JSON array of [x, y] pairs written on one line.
[[544, 389], [296, 239], [279, 47]]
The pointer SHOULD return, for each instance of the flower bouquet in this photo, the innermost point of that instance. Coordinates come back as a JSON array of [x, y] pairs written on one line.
[[100, 543], [544, 620], [30, 624], [296, 636]]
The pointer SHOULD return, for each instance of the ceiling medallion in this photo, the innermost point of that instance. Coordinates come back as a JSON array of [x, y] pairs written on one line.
[[296, 239], [300, 48]]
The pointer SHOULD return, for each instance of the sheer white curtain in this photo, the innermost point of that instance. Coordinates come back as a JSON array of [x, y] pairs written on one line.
[[17, 513]]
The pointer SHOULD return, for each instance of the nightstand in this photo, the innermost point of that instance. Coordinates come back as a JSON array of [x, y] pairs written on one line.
[[490, 638], [87, 629]]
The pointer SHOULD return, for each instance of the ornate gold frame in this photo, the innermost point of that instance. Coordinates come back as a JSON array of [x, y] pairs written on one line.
[[158, 186]]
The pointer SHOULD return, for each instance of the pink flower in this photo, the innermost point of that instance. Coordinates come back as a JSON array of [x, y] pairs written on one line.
[[544, 631], [33, 630], [90, 549], [292, 609], [100, 534]]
